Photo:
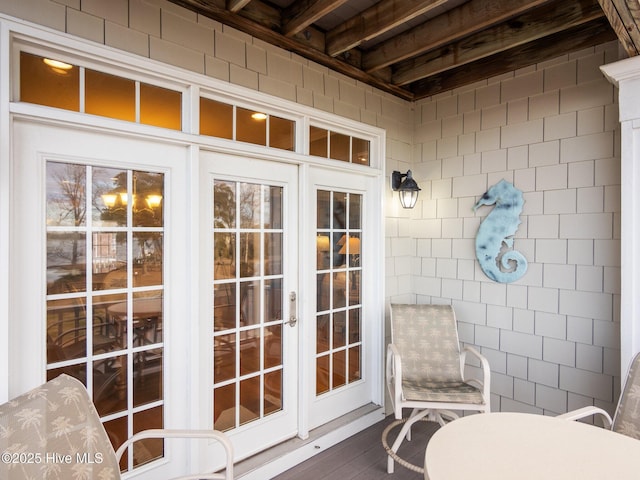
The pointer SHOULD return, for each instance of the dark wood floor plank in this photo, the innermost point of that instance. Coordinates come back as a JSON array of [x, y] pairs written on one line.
[[362, 457]]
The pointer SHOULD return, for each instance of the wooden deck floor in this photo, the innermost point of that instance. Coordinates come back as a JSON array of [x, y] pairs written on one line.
[[362, 457]]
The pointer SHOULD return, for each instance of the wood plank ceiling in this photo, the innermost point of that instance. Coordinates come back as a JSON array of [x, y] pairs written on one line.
[[414, 49]]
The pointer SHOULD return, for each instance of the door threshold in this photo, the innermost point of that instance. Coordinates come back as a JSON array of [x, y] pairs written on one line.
[[286, 455]]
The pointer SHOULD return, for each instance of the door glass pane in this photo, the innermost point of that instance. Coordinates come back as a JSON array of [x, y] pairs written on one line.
[[110, 192], [250, 252], [273, 214], [224, 407], [224, 201], [338, 304], [273, 252], [247, 302], [147, 258], [105, 292], [224, 300], [148, 449], [224, 349], [66, 262], [250, 400], [250, 203], [324, 210], [273, 299], [147, 199], [273, 392], [225, 255], [66, 329]]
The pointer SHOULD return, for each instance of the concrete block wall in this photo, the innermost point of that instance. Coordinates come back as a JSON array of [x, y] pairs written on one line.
[[552, 338]]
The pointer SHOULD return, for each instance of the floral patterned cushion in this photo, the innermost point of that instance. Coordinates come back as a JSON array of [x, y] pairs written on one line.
[[627, 419], [54, 432]]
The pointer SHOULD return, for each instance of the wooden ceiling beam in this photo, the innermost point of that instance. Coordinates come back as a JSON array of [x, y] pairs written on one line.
[[236, 5], [624, 17], [584, 36], [523, 29], [374, 21], [215, 11], [302, 13], [457, 23]]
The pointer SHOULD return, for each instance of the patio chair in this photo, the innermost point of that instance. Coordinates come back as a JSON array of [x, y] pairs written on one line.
[[54, 432], [425, 372], [627, 416]]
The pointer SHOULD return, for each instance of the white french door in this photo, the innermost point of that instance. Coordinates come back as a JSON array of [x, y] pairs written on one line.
[[249, 294], [253, 307], [342, 328], [98, 253], [287, 359]]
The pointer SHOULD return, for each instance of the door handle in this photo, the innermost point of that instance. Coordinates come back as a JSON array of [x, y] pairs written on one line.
[[293, 309]]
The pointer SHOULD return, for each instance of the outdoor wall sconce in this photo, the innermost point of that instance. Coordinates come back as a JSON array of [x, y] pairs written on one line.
[[407, 189]]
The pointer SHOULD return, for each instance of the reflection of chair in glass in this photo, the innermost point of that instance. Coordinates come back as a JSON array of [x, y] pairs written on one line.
[[425, 371], [627, 416], [67, 338], [59, 419], [116, 279]]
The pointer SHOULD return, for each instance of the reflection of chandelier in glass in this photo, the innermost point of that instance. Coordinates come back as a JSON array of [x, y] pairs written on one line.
[[110, 200]]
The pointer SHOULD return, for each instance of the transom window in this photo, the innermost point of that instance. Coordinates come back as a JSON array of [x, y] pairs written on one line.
[[338, 146], [55, 83], [222, 120]]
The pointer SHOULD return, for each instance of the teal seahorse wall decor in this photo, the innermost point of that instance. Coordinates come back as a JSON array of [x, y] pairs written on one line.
[[498, 229]]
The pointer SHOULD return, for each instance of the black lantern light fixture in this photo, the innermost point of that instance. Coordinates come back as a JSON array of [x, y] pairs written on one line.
[[407, 189]]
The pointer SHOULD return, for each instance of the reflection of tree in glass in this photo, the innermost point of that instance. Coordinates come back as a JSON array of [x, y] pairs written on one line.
[[224, 215], [250, 200], [66, 206], [224, 205], [68, 199]]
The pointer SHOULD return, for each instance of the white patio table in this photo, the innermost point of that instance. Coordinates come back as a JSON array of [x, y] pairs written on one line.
[[519, 446]]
